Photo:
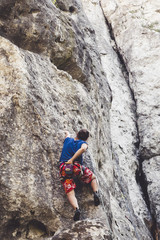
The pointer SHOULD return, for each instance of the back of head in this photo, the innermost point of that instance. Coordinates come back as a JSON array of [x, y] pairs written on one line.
[[83, 134]]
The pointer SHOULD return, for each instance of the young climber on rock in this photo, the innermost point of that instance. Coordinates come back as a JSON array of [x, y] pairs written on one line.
[[71, 166]]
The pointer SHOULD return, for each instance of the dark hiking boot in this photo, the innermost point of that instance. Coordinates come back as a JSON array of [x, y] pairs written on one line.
[[96, 199], [77, 215]]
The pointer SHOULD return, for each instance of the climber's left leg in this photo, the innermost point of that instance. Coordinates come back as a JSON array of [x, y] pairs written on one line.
[[94, 184], [89, 177]]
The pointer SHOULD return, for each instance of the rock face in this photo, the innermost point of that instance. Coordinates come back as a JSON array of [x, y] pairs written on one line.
[[67, 65], [138, 46], [85, 230], [144, 18], [151, 169]]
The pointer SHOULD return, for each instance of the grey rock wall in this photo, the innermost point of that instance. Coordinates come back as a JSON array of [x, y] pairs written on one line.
[[38, 103], [65, 67], [33, 120], [135, 28], [151, 169]]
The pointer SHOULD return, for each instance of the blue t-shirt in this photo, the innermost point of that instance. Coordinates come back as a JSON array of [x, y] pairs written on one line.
[[70, 147]]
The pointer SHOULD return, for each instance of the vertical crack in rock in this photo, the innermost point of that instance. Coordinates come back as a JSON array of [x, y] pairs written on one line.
[[142, 181], [140, 175]]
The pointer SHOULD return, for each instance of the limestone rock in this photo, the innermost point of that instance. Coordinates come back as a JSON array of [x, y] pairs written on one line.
[[38, 26], [34, 114], [85, 230], [151, 169], [63, 66], [136, 28], [123, 126]]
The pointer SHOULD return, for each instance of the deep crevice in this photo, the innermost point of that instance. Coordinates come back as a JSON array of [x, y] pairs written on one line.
[[142, 181], [140, 175]]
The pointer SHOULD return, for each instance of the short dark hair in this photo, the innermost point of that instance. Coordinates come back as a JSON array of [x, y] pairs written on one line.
[[83, 134]]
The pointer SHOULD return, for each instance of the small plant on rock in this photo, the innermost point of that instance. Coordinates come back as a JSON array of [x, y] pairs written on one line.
[[54, 2], [152, 26]]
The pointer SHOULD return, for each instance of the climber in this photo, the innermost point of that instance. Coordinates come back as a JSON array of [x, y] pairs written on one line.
[[71, 160]]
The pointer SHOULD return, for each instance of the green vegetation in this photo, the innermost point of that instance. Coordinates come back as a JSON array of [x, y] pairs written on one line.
[[152, 26], [54, 2], [133, 11], [157, 30]]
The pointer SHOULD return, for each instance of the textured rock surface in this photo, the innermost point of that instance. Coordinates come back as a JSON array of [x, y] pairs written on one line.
[[40, 27], [135, 27], [33, 119], [85, 230], [104, 86], [32, 25], [136, 32], [151, 169]]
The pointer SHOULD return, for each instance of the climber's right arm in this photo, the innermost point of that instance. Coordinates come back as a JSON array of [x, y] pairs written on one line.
[[78, 153]]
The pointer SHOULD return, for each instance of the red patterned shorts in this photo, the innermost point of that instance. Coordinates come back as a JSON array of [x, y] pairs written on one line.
[[68, 183]]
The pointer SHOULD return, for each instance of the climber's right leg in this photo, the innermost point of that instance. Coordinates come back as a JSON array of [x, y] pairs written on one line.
[[69, 186], [72, 199]]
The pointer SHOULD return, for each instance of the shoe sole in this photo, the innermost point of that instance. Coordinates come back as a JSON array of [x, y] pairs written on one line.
[[77, 216], [96, 200]]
